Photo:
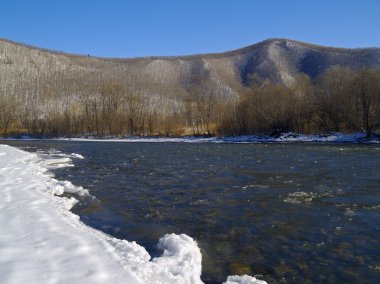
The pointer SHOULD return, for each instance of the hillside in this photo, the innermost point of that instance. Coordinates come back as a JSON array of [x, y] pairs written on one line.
[[277, 59], [40, 76]]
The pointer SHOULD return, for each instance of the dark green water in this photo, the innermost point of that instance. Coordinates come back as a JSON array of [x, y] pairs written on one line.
[[293, 213]]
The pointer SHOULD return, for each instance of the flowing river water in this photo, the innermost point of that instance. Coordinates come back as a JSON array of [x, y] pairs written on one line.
[[292, 213]]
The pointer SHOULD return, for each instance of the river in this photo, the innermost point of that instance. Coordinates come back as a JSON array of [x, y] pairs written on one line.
[[294, 213]]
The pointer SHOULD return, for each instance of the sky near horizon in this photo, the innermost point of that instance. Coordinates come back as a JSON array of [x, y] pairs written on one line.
[[133, 28]]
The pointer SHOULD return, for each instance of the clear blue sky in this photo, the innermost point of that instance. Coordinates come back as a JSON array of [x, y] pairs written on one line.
[[130, 28]]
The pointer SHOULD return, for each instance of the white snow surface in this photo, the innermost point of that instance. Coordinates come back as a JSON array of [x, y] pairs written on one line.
[[245, 279], [41, 241], [290, 137]]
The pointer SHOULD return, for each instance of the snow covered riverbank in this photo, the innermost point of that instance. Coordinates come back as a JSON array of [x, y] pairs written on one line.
[[290, 137], [283, 138], [41, 241]]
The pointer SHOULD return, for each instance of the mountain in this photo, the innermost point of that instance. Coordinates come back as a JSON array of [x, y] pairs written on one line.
[[44, 92], [279, 60]]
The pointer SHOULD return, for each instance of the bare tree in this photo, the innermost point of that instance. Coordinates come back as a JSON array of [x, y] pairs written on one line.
[[333, 98], [7, 113], [112, 97], [366, 89]]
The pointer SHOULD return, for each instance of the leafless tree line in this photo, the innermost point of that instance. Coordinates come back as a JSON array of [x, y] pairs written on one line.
[[91, 104], [340, 100], [102, 107]]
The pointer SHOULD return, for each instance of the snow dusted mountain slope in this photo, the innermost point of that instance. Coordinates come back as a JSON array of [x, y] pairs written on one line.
[[280, 60], [41, 241]]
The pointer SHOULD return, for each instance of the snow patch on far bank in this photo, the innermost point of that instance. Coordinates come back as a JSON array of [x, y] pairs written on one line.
[[283, 138], [290, 137]]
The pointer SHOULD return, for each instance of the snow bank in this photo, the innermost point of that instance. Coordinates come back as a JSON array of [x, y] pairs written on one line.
[[283, 138], [42, 242], [183, 248]]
